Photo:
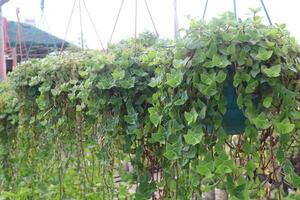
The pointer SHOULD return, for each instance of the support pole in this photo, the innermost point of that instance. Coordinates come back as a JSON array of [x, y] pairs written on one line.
[[175, 20], [2, 44]]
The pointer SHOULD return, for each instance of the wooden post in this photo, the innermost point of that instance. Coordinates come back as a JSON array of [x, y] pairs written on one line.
[[175, 20], [2, 43], [14, 58]]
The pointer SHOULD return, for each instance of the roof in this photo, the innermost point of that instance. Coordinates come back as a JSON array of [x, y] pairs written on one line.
[[32, 35]]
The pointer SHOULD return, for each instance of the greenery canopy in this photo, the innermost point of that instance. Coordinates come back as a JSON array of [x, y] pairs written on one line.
[[69, 123]]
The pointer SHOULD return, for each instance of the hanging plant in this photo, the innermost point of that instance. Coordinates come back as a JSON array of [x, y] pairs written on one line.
[[230, 77], [219, 109]]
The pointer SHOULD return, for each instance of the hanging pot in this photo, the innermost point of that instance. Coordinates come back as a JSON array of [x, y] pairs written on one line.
[[233, 119]]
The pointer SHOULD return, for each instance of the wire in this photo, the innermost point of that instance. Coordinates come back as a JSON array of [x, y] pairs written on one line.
[[266, 11], [205, 8], [151, 18], [68, 26], [93, 24], [117, 19]]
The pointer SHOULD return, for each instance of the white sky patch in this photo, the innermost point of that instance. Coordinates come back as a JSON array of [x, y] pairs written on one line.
[[103, 12]]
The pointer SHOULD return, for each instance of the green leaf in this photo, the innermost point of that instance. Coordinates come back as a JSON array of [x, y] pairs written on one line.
[[173, 151], [263, 54], [267, 102], [105, 83], [157, 137], [212, 50], [178, 64], [206, 79], [126, 83], [251, 86], [199, 57], [250, 167], [181, 98], [155, 118], [155, 81], [204, 168], [207, 90], [231, 50], [83, 74], [254, 72], [118, 74], [237, 79], [194, 136], [220, 61], [224, 168], [131, 118], [221, 76], [298, 67], [191, 117], [271, 72], [216, 60], [284, 127], [175, 78], [296, 180], [202, 113], [145, 189], [261, 121]]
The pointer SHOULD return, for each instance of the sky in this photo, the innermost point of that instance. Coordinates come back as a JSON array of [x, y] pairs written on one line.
[[104, 12]]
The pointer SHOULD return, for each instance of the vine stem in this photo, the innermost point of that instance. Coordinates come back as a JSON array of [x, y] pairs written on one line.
[[177, 180]]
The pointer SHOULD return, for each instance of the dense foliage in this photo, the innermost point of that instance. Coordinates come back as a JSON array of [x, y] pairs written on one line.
[[69, 123]]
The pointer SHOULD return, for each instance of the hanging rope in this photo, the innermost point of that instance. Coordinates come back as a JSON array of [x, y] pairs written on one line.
[[80, 23], [205, 8], [234, 9], [135, 25], [42, 5], [151, 18], [117, 19], [175, 20], [93, 24], [266, 11], [68, 26]]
